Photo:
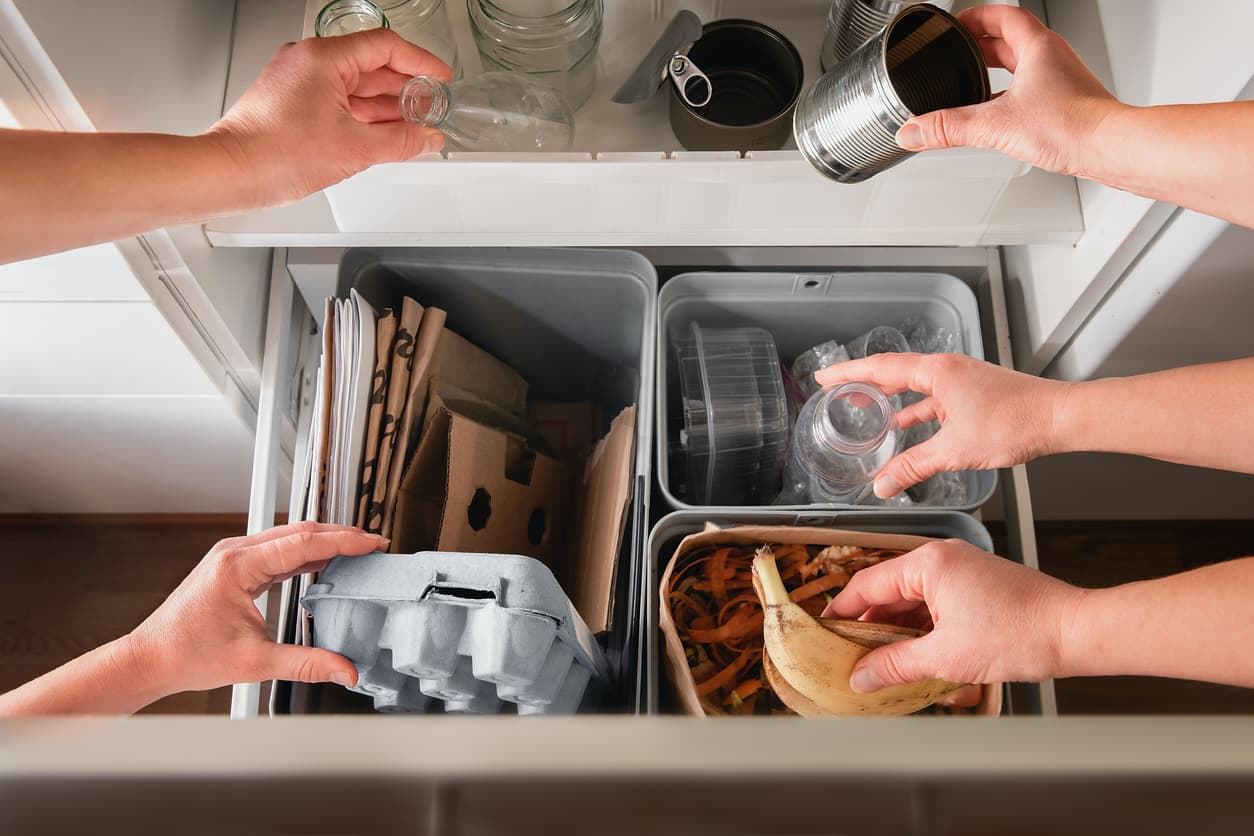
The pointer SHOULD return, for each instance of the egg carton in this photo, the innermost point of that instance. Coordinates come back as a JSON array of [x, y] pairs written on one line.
[[459, 633]]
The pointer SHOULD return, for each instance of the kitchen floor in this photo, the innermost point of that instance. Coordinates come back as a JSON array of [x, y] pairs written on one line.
[[68, 584]]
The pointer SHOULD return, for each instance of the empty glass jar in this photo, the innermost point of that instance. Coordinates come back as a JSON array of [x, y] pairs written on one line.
[[492, 112], [344, 17], [425, 23], [553, 40], [843, 437]]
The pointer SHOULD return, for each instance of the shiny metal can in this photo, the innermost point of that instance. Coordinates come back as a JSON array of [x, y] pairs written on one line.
[[851, 23], [923, 60]]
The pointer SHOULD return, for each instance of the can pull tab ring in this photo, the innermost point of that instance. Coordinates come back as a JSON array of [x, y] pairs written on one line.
[[692, 85]]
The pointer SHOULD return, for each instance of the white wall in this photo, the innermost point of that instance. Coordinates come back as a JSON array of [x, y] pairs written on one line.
[[1206, 314], [125, 370]]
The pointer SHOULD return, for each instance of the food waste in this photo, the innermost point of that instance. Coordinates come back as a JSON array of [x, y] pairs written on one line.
[[808, 660], [724, 625]]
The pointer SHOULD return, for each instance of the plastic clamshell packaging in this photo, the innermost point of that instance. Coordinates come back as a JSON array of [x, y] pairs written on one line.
[[801, 310], [462, 633]]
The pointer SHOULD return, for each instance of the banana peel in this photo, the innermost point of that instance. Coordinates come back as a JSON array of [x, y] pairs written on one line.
[[808, 660]]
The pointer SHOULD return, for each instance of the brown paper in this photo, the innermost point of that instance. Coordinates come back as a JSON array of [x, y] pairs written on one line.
[[402, 355], [678, 674], [385, 331]]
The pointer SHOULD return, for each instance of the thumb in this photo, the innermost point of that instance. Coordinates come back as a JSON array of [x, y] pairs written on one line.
[[394, 142], [949, 128], [910, 467], [309, 664], [894, 664]]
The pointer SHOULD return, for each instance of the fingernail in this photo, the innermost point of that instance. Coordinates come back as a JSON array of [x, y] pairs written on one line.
[[341, 678], [865, 680], [910, 137], [887, 487], [434, 143], [383, 541]]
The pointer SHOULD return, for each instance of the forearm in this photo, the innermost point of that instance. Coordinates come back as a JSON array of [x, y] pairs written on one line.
[[1197, 415], [113, 679], [1196, 156], [63, 190], [1195, 625]]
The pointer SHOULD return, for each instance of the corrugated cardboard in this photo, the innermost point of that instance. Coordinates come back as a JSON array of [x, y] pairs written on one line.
[[678, 674], [604, 495], [582, 502], [476, 488]]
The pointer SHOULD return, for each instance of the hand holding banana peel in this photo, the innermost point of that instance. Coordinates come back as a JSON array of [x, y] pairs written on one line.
[[809, 661]]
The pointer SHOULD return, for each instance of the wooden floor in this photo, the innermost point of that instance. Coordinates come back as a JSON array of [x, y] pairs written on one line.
[[70, 584]]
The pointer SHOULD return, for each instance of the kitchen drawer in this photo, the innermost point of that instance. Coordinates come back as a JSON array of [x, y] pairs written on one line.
[[979, 267], [632, 774]]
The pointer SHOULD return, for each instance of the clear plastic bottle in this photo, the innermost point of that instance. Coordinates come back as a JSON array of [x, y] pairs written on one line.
[[492, 112], [843, 437], [344, 17], [425, 23]]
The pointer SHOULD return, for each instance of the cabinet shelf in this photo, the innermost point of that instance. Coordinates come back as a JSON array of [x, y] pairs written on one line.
[[629, 183]]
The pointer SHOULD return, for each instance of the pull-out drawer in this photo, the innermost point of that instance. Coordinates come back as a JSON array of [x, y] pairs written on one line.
[[316, 273], [636, 773]]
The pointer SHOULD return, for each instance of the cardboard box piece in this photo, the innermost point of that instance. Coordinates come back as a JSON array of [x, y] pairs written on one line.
[[678, 674], [475, 487]]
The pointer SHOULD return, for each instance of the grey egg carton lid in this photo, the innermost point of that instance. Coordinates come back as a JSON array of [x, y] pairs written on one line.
[[459, 633]]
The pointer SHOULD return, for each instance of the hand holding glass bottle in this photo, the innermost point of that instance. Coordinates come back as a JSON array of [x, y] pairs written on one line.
[[493, 112]]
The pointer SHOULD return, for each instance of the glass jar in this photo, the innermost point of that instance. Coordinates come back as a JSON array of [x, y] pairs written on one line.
[[843, 437], [553, 40], [425, 23], [344, 17]]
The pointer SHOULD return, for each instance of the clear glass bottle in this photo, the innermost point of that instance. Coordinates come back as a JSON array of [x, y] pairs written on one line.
[[842, 438], [425, 23], [344, 17], [554, 40], [492, 112]]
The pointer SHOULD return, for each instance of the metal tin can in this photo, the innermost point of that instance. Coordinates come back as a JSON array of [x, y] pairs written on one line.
[[755, 78], [851, 23], [924, 60]]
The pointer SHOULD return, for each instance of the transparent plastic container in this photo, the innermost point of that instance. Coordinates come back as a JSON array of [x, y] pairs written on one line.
[[491, 112], [844, 436], [735, 413], [553, 40], [425, 23]]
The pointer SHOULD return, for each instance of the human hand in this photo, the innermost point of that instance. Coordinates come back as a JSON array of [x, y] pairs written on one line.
[[324, 109], [991, 620], [209, 632], [990, 416], [1049, 114]]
